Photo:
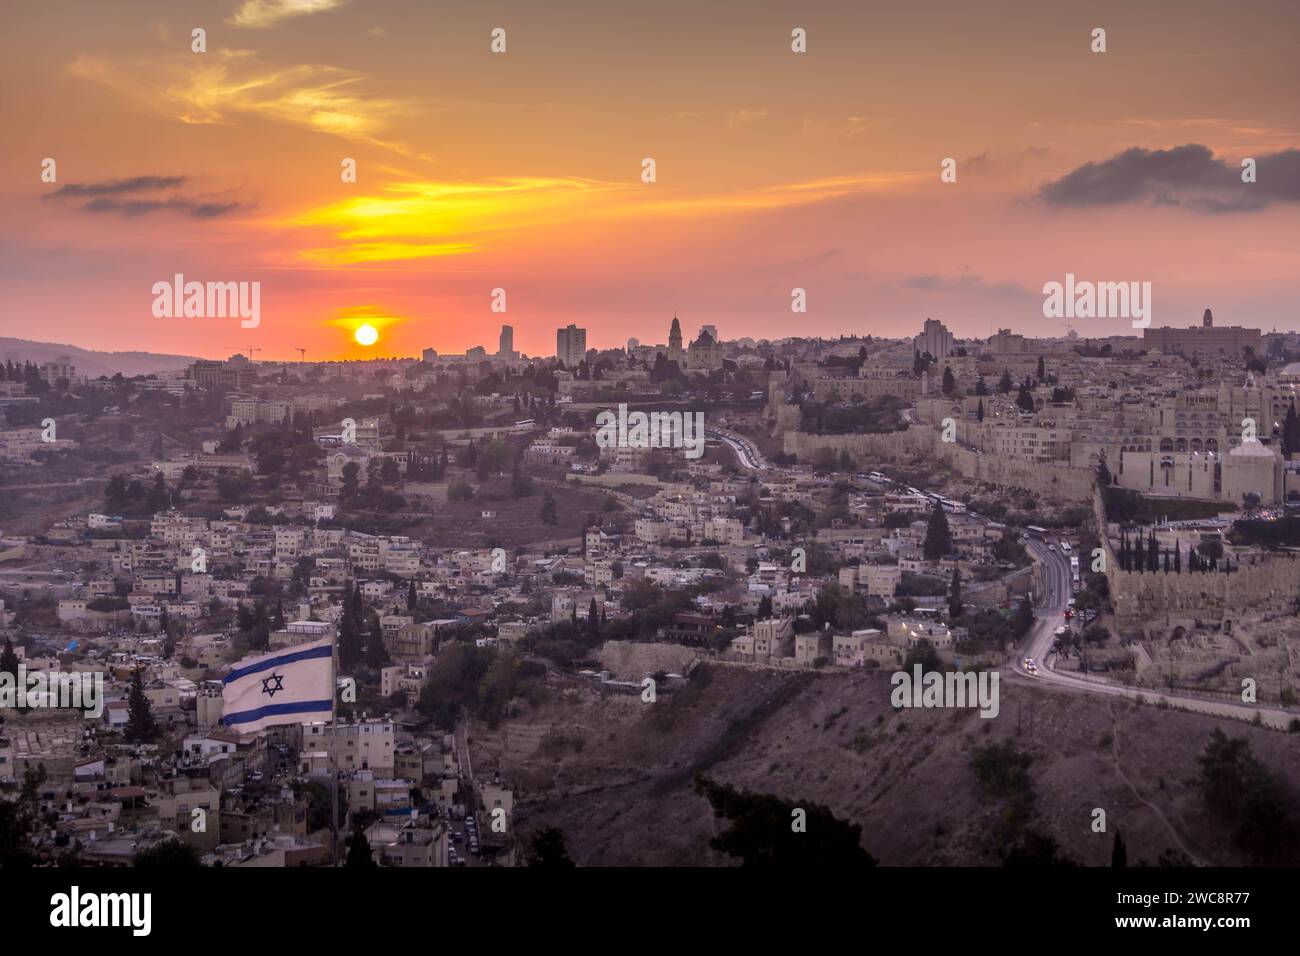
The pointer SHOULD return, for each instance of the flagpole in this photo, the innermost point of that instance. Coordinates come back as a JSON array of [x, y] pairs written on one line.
[[334, 760]]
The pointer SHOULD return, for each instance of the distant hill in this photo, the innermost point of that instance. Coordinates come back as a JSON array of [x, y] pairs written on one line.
[[89, 362]]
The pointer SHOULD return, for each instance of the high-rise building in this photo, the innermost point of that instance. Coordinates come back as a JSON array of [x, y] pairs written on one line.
[[506, 349], [430, 355], [935, 339], [571, 345]]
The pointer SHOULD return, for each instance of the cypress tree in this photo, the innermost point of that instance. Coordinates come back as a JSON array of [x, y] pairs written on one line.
[[140, 725], [938, 537], [359, 853], [376, 652], [9, 659], [349, 642]]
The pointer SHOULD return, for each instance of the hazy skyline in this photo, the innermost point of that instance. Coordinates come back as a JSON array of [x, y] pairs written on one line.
[[522, 170]]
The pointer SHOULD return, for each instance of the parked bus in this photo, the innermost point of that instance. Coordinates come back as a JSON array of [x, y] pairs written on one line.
[[1035, 531]]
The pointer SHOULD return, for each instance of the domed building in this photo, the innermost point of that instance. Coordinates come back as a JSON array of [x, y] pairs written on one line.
[[704, 353]]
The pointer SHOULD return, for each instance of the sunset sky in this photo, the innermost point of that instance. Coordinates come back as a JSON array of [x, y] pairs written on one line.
[[522, 170]]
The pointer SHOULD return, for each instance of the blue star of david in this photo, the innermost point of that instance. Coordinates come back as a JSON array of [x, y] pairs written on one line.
[[269, 688]]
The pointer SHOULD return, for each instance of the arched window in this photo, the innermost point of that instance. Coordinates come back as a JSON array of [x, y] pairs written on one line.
[[1166, 444], [1181, 444]]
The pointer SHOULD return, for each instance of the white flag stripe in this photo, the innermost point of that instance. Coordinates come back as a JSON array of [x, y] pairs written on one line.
[[292, 686]]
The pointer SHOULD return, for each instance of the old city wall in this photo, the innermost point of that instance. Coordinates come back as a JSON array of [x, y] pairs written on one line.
[[1052, 482], [1143, 599]]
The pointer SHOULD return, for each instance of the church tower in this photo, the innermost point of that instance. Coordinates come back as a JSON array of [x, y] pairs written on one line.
[[675, 341]]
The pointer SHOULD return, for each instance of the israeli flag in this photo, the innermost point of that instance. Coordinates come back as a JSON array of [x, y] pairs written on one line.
[[292, 686]]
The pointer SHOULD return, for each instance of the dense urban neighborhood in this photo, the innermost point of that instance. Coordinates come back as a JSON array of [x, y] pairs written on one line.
[[536, 612]]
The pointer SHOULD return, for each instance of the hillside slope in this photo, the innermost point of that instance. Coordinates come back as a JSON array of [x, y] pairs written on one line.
[[89, 362], [615, 773]]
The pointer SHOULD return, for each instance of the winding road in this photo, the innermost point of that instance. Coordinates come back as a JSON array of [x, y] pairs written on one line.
[[746, 453], [1049, 615]]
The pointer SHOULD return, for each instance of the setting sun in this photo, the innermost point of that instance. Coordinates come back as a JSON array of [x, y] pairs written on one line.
[[366, 335]]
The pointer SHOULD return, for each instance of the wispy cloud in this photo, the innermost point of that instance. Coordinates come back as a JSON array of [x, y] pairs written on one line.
[[114, 187], [731, 119], [989, 163], [106, 197], [141, 207], [234, 85], [839, 127], [267, 13], [932, 282]]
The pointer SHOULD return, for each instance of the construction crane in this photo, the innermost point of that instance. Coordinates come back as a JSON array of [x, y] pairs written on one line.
[[1067, 325], [302, 355], [247, 348]]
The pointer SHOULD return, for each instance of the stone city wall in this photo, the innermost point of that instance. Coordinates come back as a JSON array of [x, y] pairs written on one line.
[[1056, 483], [1169, 600]]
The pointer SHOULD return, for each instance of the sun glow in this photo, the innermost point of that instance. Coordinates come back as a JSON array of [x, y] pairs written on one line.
[[366, 335]]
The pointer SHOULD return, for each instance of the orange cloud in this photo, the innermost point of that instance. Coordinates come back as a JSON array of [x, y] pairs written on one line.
[[413, 220]]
